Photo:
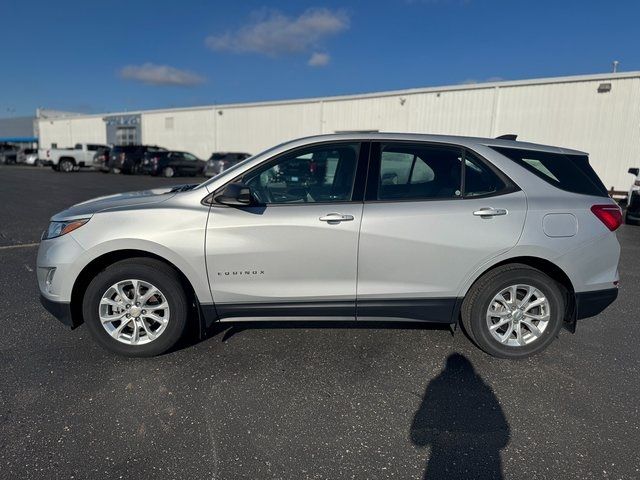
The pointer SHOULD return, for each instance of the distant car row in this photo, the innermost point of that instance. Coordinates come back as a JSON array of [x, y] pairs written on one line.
[[138, 159], [10, 154]]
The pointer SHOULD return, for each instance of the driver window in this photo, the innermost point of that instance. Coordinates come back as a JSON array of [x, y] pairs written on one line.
[[321, 174]]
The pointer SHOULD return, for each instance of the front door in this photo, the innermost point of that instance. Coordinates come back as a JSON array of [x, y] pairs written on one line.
[[294, 255], [432, 216]]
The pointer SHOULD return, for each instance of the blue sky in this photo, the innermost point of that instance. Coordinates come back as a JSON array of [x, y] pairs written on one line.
[[99, 56]]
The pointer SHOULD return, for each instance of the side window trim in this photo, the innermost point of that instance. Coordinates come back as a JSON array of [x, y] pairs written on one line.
[[510, 185], [371, 195], [371, 192], [357, 194]]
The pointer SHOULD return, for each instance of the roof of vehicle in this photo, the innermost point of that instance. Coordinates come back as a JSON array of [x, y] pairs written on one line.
[[454, 139]]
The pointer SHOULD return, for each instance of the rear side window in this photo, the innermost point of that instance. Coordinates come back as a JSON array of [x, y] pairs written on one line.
[[479, 179], [418, 172], [571, 173]]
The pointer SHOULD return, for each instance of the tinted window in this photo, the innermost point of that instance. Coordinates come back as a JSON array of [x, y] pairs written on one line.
[[188, 156], [478, 178], [567, 172], [318, 174], [419, 172]]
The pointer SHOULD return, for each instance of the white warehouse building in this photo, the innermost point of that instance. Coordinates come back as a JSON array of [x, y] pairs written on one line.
[[599, 114]]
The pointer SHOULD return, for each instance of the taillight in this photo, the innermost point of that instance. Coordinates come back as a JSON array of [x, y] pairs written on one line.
[[610, 215]]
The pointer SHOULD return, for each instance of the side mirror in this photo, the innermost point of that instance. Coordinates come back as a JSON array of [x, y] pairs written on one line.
[[634, 171], [235, 195]]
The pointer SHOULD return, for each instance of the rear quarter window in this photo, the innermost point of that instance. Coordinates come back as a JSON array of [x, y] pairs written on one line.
[[571, 173]]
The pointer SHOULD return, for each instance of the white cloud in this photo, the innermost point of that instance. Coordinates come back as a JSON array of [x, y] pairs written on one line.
[[319, 59], [273, 33], [153, 74]]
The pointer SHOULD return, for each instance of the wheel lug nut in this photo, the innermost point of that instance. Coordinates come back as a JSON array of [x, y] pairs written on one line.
[[128, 306], [128, 316], [144, 311]]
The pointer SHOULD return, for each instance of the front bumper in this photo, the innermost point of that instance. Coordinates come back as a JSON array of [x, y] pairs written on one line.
[[60, 310], [590, 304]]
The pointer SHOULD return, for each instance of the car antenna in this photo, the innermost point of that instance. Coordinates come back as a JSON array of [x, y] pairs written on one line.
[[508, 136]]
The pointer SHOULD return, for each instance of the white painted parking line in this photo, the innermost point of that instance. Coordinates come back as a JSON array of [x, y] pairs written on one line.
[[22, 245]]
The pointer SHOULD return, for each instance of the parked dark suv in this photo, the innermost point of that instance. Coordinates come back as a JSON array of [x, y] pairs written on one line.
[[218, 162], [173, 163], [8, 153], [129, 158]]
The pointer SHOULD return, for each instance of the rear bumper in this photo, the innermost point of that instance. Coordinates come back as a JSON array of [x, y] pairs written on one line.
[[590, 304], [60, 310]]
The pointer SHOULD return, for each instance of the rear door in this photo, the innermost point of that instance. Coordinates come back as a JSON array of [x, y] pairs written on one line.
[[433, 214]]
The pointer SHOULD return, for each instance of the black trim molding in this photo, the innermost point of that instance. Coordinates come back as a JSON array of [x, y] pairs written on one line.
[[60, 310], [435, 310], [590, 304]]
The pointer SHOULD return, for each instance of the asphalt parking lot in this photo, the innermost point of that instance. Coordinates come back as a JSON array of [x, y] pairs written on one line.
[[296, 401]]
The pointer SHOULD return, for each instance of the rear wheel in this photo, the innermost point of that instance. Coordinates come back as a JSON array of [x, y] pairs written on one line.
[[168, 172], [136, 308], [65, 165], [514, 311]]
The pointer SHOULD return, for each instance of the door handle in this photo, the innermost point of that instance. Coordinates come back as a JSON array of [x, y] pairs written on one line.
[[490, 212], [336, 218]]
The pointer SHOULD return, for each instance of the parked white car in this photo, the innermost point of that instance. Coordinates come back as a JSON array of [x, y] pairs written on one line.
[[29, 156], [70, 159]]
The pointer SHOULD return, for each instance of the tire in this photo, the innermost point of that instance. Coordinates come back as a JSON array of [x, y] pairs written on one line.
[[168, 172], [150, 272], [65, 165], [481, 297], [628, 221]]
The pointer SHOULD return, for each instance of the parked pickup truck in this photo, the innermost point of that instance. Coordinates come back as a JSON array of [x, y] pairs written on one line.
[[70, 159]]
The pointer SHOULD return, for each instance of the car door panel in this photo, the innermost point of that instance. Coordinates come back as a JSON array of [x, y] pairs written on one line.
[[427, 249], [282, 253], [295, 254], [424, 232]]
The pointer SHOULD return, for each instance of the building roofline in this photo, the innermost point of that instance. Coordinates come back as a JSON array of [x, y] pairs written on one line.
[[360, 96]]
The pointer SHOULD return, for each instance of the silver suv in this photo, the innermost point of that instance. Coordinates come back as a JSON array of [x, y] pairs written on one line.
[[513, 240]]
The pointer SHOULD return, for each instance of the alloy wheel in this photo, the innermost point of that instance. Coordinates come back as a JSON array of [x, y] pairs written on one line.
[[518, 315], [134, 312]]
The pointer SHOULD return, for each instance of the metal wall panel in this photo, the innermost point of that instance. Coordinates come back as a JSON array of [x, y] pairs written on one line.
[[255, 128], [565, 111], [191, 131], [66, 132], [575, 115]]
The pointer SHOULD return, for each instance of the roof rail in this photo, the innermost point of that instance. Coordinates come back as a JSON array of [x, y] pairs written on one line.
[[508, 136]]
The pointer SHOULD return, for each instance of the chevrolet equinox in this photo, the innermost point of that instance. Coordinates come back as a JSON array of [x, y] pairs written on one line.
[[511, 239]]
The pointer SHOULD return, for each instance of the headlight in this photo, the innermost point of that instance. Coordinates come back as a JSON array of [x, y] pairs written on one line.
[[57, 229]]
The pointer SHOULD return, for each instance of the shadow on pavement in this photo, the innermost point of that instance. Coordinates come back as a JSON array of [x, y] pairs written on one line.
[[461, 420]]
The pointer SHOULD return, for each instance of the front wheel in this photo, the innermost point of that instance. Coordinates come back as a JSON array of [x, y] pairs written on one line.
[[136, 308], [168, 172], [514, 311]]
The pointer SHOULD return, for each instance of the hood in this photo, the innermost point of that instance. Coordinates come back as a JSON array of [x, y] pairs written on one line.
[[110, 202]]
